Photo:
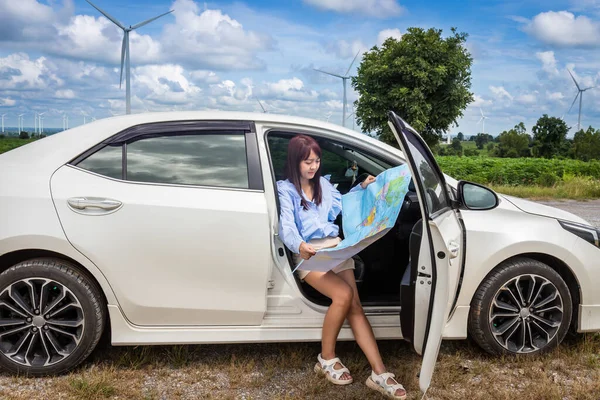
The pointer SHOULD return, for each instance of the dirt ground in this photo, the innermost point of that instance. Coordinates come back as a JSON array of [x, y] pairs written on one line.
[[588, 210]]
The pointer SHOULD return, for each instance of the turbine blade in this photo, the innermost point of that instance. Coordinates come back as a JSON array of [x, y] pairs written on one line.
[[107, 15], [576, 96], [352, 63], [481, 111], [122, 59], [329, 73], [576, 84], [150, 20], [261, 106]]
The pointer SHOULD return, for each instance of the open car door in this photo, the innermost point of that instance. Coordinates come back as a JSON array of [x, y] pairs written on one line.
[[435, 247]]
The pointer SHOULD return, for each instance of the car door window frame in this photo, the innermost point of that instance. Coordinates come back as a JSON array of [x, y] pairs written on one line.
[[184, 128]]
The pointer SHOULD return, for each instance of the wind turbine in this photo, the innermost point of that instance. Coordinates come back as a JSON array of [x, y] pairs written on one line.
[[580, 94], [3, 115], [35, 119], [353, 119], [327, 116], [344, 78], [41, 122], [20, 122], [125, 51], [482, 120], [261, 105]]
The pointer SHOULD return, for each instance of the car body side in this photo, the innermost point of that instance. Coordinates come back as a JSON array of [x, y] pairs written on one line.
[[493, 236]]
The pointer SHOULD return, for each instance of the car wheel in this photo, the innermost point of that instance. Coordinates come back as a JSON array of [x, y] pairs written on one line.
[[522, 307], [51, 317]]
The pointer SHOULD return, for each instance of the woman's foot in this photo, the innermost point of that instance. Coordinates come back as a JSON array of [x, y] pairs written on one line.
[[387, 385], [334, 371]]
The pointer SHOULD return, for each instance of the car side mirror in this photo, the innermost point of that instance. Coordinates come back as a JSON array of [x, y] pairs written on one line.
[[473, 196]]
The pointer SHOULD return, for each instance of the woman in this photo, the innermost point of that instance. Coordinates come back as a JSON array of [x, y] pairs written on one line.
[[309, 205]]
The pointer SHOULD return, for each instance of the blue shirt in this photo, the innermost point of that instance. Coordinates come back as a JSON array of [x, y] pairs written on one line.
[[297, 225]]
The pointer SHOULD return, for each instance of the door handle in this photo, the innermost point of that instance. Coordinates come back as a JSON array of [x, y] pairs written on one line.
[[453, 248], [81, 203]]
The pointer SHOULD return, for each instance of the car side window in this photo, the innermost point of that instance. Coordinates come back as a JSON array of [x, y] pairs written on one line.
[[217, 159], [107, 161], [206, 159]]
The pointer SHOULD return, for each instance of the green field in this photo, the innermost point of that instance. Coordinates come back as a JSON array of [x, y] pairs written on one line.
[[7, 144]]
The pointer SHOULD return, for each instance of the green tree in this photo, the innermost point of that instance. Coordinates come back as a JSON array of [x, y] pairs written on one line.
[[549, 136], [457, 146], [514, 143], [481, 139], [423, 77], [23, 135], [460, 136], [586, 144]]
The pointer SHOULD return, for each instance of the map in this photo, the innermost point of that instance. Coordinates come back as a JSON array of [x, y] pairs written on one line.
[[367, 215]]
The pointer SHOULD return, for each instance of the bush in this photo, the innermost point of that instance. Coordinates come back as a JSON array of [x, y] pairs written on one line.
[[23, 135], [547, 179], [2, 136], [515, 171], [471, 152]]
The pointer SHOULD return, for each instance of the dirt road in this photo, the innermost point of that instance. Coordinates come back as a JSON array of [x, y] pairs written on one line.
[[588, 210]]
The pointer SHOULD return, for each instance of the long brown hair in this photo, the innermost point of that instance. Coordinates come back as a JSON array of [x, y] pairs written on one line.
[[299, 150]]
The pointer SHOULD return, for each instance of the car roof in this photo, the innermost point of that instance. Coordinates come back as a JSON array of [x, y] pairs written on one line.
[[59, 148]]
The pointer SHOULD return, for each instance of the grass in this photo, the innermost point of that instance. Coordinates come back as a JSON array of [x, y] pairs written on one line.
[[576, 188], [7, 144], [284, 371]]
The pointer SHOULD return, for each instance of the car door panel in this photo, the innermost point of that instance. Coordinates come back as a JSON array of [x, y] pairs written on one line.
[[436, 249]]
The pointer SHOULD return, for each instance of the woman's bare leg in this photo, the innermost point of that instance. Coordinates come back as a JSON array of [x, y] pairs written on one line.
[[341, 295], [363, 333]]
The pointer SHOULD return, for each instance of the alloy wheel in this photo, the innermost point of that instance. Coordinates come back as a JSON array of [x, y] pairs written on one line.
[[526, 313], [41, 322]]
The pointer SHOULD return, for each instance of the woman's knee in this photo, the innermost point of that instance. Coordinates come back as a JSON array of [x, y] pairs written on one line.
[[344, 296]]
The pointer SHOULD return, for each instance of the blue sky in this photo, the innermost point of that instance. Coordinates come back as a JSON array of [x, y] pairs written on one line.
[[62, 57]]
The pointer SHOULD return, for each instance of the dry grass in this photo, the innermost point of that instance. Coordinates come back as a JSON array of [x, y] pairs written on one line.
[[576, 188], [284, 371]]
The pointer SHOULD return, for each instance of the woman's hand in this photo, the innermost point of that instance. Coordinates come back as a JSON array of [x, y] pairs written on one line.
[[306, 251], [370, 179]]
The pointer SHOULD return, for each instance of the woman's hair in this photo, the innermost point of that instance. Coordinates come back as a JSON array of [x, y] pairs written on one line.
[[299, 150]]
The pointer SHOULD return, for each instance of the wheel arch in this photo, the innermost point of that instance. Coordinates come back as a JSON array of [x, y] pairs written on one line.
[[9, 259], [558, 265]]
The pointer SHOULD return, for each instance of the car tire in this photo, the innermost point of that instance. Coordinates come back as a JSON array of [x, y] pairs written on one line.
[[52, 316], [522, 307]]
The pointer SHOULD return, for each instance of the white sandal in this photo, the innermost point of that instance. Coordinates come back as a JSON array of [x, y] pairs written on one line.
[[325, 367], [379, 383]]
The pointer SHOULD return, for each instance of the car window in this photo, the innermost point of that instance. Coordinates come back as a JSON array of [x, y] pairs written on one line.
[[436, 194], [107, 161], [203, 159]]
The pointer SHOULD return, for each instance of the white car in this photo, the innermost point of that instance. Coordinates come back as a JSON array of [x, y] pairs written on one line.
[[162, 228]]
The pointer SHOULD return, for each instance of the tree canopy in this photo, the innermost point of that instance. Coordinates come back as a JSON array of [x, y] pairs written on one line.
[[586, 144], [514, 142], [549, 136], [424, 77]]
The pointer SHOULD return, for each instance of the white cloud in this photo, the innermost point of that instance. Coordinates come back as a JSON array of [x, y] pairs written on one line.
[[554, 96], [388, 33], [165, 84], [376, 8], [527, 98], [288, 89], [500, 92], [211, 39], [18, 72], [548, 62], [7, 102], [64, 94], [204, 76], [479, 101], [564, 29]]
